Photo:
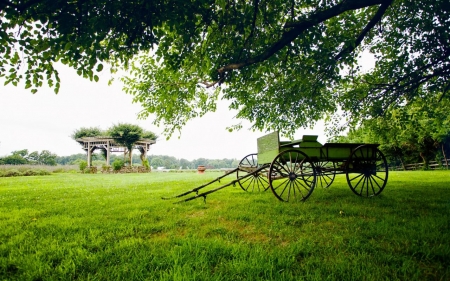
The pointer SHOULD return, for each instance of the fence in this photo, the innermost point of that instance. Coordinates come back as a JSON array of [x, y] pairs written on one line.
[[433, 165]]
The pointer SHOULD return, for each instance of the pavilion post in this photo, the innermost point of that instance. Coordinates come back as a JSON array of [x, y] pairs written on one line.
[[89, 154], [108, 152]]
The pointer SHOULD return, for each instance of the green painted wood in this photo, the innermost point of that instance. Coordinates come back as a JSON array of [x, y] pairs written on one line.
[[268, 147]]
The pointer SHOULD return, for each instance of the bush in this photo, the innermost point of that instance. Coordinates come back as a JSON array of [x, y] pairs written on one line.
[[59, 170], [105, 168], [12, 173], [42, 172], [118, 165], [90, 170], [30, 172], [82, 165], [146, 164]]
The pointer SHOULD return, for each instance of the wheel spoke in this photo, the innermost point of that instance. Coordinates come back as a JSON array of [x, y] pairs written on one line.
[[246, 180], [251, 183], [379, 187], [361, 178], [279, 165], [285, 186], [371, 184], [293, 180], [299, 189], [302, 185], [382, 179], [359, 175], [362, 186]]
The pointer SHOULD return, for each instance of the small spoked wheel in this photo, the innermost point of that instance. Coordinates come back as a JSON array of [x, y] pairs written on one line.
[[325, 171], [367, 171], [292, 176], [254, 183]]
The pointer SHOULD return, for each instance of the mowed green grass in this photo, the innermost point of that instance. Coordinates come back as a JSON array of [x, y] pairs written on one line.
[[117, 227]]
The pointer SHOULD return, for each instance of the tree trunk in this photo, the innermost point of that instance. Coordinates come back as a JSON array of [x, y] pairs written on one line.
[[131, 156], [426, 162], [403, 164], [445, 157]]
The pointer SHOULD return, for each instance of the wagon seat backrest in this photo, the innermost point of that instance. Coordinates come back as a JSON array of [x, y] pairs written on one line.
[[268, 147]]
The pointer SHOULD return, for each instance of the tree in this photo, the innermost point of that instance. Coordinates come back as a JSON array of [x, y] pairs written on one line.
[[87, 132], [126, 135], [157, 162], [415, 130], [282, 64], [14, 159], [47, 158], [33, 157], [23, 153]]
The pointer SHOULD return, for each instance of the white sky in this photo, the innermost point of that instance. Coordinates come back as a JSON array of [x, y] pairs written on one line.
[[45, 121]]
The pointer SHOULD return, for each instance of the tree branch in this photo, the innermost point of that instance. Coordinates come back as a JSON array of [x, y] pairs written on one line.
[[365, 31], [297, 28], [255, 15]]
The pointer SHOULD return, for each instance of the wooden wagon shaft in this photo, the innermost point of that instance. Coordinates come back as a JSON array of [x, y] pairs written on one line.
[[200, 187], [220, 187], [254, 171]]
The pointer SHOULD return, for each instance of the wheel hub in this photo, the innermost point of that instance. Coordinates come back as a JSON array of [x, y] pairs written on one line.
[[292, 176]]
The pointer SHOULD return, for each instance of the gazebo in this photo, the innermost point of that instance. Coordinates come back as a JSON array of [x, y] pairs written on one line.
[[90, 144]]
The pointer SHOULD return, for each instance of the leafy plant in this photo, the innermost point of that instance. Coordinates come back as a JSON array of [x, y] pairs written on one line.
[[83, 164], [146, 164], [12, 173], [105, 168], [127, 135], [117, 165], [87, 132]]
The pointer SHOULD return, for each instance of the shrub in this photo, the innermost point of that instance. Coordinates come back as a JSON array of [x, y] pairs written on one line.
[[30, 172], [12, 173], [82, 165], [59, 170], [90, 170], [117, 165], [43, 172], [146, 164], [105, 168]]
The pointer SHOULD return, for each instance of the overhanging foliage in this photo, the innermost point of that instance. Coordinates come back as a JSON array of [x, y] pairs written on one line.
[[282, 64]]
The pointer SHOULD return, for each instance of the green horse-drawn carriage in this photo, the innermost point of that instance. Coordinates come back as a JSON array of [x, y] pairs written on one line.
[[293, 169]]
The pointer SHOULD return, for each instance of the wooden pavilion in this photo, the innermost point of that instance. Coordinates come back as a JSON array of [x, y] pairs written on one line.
[[108, 144]]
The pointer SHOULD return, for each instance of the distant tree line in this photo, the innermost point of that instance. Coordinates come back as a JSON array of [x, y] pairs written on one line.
[[22, 157], [171, 162]]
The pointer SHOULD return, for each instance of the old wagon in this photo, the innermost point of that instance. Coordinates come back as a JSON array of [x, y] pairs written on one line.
[[292, 169]]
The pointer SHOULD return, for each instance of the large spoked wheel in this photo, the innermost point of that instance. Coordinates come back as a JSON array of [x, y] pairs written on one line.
[[292, 176], [254, 183], [325, 172], [367, 171]]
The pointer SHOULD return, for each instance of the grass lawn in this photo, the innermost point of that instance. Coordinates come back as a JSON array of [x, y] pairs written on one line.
[[116, 227]]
